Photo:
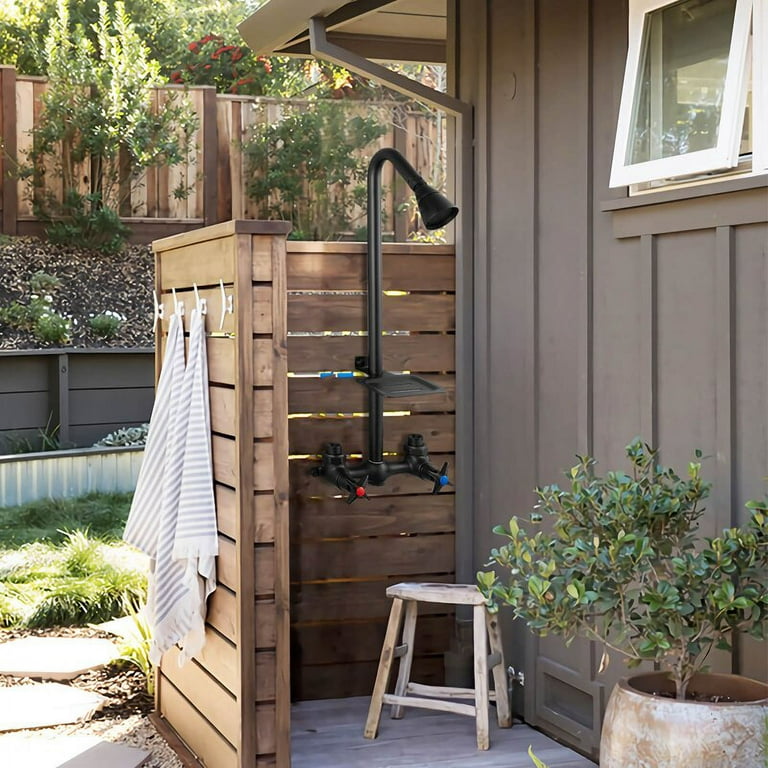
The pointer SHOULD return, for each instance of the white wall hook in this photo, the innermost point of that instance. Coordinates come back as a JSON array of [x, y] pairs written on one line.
[[178, 306], [227, 304], [202, 304], [158, 312]]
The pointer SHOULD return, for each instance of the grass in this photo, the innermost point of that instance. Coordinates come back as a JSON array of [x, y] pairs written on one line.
[[62, 563], [103, 515]]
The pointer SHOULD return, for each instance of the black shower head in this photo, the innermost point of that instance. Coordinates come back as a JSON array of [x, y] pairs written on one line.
[[435, 208]]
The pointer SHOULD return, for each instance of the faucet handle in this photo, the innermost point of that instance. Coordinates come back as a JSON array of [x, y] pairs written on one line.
[[441, 479], [358, 491]]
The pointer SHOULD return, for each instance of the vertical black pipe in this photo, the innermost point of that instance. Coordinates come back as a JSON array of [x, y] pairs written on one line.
[[375, 364]]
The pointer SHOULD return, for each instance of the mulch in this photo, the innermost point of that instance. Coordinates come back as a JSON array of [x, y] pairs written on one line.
[[91, 283], [121, 683]]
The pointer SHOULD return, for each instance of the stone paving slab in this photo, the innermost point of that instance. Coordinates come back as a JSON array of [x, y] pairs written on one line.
[[54, 658], [26, 751], [43, 704]]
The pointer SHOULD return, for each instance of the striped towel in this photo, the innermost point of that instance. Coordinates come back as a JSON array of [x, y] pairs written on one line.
[[176, 598], [196, 541]]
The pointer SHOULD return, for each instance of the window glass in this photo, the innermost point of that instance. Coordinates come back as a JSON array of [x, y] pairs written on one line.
[[683, 66]]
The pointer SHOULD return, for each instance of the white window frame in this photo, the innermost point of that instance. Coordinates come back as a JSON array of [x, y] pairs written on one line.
[[726, 154], [760, 86]]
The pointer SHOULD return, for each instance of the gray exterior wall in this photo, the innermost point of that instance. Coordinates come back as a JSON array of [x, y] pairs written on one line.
[[85, 393], [598, 317]]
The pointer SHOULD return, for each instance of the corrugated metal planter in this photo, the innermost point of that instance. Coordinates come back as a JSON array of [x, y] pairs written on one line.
[[63, 474]]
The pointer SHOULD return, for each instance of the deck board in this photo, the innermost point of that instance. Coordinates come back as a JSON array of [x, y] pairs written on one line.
[[329, 734]]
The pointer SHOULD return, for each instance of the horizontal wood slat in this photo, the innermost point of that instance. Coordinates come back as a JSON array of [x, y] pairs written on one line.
[[223, 411], [208, 265], [347, 680], [309, 435], [265, 675], [332, 395], [361, 641], [226, 564], [418, 354], [303, 482], [364, 558], [222, 612], [350, 600], [341, 312], [195, 731], [218, 657], [265, 624], [315, 518], [213, 701], [225, 463], [410, 271]]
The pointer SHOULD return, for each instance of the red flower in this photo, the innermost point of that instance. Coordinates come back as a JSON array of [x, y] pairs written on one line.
[[207, 66], [237, 55], [193, 47]]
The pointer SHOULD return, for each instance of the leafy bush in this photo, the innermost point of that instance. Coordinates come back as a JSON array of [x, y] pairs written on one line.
[[38, 315], [98, 126], [83, 220], [125, 436], [134, 647], [309, 169], [106, 325], [624, 565]]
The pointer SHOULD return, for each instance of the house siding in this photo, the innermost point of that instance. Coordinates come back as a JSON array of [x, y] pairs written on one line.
[[599, 319]]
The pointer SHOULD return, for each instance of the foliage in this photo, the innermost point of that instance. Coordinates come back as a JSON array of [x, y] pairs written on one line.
[[103, 514], [46, 439], [310, 169], [84, 220], [98, 128], [38, 315], [134, 648], [125, 436], [231, 68], [624, 565], [535, 759], [77, 581], [106, 324]]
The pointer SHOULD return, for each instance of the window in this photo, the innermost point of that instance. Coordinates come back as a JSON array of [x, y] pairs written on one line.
[[695, 97]]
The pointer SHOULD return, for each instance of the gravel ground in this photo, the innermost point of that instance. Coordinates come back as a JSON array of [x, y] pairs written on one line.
[[123, 720], [90, 283]]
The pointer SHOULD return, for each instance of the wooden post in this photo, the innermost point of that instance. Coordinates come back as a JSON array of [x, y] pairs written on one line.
[[210, 157], [8, 148]]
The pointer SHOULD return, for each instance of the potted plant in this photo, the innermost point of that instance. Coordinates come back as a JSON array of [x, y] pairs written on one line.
[[620, 562]]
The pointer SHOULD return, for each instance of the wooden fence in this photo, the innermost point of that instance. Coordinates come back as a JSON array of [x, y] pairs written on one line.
[[215, 174], [344, 556]]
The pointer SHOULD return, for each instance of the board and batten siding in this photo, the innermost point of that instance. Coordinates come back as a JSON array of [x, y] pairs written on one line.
[[599, 317], [230, 704]]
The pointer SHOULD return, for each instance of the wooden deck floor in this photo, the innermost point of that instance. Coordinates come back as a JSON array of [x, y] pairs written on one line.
[[329, 734]]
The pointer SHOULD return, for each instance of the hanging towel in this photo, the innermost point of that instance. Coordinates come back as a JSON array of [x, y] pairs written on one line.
[[151, 522], [196, 542]]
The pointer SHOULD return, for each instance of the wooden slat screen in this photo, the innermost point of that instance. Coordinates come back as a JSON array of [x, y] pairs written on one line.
[[230, 703], [344, 556]]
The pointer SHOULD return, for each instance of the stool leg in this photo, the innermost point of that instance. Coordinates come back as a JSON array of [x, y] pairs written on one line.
[[500, 682], [385, 666], [404, 673], [481, 676]]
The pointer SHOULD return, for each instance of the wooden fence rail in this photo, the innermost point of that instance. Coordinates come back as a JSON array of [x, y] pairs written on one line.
[[215, 175]]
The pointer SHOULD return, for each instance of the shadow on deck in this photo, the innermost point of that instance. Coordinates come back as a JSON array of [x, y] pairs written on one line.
[[329, 734]]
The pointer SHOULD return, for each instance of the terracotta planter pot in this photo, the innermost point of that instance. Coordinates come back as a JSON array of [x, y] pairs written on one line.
[[643, 730]]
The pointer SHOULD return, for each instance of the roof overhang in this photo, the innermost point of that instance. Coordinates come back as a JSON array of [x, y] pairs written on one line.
[[384, 30]]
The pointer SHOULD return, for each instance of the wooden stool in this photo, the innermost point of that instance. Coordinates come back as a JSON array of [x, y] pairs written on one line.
[[485, 629]]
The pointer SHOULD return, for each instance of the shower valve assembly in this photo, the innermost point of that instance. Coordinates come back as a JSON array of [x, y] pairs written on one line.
[[353, 478]]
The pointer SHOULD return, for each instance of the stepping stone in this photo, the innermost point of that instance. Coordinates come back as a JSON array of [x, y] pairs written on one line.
[[43, 704], [55, 658], [32, 751]]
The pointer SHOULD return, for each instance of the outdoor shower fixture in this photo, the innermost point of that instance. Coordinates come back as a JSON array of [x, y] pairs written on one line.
[[436, 211]]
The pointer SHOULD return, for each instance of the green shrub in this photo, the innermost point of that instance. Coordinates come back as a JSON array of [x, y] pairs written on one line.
[[106, 325], [97, 115], [42, 282], [125, 436], [309, 169], [52, 328], [84, 221]]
